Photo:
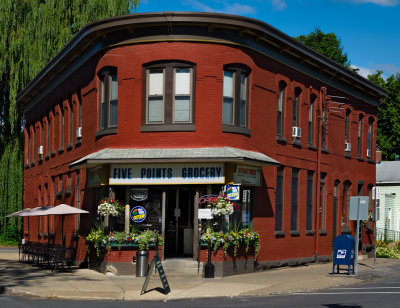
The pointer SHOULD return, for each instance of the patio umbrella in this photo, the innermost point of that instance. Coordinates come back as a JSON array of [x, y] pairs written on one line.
[[37, 211], [64, 209], [18, 213]]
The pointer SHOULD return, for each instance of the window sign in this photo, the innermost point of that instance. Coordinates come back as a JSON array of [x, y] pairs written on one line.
[[205, 214], [138, 214], [233, 192], [202, 173], [247, 175]]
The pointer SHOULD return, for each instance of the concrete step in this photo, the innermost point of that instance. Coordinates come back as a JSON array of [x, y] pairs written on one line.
[[182, 267]]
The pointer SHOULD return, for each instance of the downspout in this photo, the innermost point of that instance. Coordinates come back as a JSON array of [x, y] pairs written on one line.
[[318, 203]]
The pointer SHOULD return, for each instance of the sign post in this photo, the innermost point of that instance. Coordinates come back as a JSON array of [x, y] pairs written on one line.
[[376, 197], [358, 211]]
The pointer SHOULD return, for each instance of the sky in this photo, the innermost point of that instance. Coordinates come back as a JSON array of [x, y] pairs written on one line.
[[368, 29]]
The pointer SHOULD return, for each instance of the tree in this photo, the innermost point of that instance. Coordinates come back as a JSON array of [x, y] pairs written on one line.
[[327, 44], [32, 32], [388, 130]]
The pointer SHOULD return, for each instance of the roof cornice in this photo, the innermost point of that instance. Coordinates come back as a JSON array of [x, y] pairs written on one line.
[[86, 43]]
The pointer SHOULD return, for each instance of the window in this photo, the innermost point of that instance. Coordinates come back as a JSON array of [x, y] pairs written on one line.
[[61, 130], [347, 127], [235, 103], [295, 197], [71, 124], [346, 203], [279, 200], [281, 108], [323, 128], [48, 136], [313, 97], [28, 152], [322, 200], [296, 106], [108, 98], [41, 129], [359, 136], [369, 137], [310, 177], [34, 144], [169, 97], [78, 199]]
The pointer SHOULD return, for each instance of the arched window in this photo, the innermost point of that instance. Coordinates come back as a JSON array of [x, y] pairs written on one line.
[[369, 137], [311, 116], [359, 135], [281, 108]]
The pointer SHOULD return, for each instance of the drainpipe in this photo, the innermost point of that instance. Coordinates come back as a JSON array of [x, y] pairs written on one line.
[[322, 95]]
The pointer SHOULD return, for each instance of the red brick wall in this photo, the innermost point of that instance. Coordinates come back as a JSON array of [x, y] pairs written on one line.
[[209, 59]]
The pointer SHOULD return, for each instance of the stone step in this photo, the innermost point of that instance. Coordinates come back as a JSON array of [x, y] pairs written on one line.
[[182, 267]]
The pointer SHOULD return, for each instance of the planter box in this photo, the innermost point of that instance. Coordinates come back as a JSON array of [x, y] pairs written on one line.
[[230, 265], [117, 261]]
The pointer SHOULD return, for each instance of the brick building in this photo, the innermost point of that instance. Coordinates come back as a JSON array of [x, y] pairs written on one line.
[[175, 106]]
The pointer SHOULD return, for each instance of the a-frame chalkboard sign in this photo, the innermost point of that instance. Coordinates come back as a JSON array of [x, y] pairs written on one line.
[[156, 263]]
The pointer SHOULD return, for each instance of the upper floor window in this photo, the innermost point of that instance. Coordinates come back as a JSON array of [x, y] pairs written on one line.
[[235, 103], [48, 136], [369, 137], [281, 108], [169, 96], [61, 129], [108, 98], [296, 106], [324, 121], [311, 116], [359, 136], [347, 127], [71, 123]]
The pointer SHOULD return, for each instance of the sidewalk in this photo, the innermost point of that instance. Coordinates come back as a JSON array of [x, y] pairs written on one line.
[[23, 279]]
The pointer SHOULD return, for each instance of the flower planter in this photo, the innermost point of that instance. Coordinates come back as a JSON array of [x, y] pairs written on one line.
[[229, 264]]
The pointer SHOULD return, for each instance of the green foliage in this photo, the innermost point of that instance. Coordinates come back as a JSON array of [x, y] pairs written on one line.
[[327, 44], [32, 33], [388, 131]]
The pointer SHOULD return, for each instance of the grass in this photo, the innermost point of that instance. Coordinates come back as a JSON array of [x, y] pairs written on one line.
[[8, 243]]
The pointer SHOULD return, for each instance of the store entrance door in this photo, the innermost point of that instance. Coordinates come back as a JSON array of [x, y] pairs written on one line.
[[179, 223]]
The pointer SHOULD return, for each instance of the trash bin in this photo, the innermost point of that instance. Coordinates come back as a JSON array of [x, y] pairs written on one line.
[[142, 263], [343, 252]]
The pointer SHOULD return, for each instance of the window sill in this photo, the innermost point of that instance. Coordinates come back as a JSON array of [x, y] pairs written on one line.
[[53, 153], [297, 143], [281, 139], [359, 158], [347, 155], [310, 232], [312, 147], [295, 233], [323, 232], [78, 143], [168, 128], [60, 150], [69, 147], [279, 233], [104, 132], [324, 150], [370, 160], [236, 129]]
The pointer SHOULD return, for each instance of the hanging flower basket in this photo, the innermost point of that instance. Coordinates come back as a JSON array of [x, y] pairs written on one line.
[[109, 207], [221, 205]]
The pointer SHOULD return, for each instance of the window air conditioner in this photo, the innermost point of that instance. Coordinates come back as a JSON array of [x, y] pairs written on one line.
[[79, 132], [369, 154], [40, 150], [296, 132], [347, 146]]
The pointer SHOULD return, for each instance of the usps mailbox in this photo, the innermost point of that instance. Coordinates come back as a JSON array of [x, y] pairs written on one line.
[[344, 252]]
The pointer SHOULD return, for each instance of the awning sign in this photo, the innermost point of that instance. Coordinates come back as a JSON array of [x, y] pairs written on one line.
[[247, 175], [202, 173], [138, 214]]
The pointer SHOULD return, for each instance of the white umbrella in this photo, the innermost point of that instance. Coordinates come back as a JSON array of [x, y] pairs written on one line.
[[19, 213], [64, 209], [37, 211]]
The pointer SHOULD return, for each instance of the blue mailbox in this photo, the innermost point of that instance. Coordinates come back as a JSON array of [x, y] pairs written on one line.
[[343, 252]]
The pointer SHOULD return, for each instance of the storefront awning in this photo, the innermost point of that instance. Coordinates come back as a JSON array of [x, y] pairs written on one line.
[[217, 154]]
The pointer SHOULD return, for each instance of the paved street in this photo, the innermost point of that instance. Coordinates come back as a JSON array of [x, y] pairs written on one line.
[[304, 281]]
